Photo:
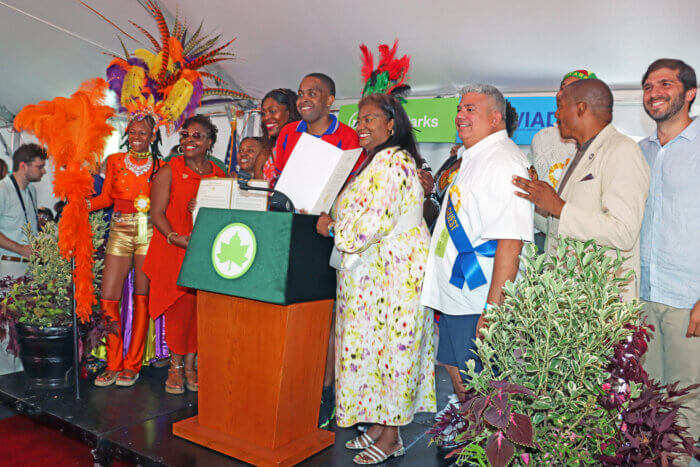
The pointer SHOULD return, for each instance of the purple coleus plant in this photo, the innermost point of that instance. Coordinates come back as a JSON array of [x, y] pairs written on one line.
[[491, 414], [648, 432]]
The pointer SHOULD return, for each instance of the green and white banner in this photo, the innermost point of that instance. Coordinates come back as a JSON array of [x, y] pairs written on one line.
[[433, 119]]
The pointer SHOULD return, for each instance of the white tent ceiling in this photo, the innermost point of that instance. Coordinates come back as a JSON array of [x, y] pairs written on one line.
[[47, 47]]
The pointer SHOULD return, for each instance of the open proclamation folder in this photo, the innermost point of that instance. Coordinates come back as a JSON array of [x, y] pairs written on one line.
[[315, 173], [224, 193]]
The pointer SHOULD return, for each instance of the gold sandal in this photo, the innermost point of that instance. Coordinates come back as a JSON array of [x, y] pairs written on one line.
[[175, 383], [127, 378], [106, 378], [192, 380]]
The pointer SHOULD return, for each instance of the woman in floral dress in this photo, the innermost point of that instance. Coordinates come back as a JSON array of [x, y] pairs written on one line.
[[384, 347]]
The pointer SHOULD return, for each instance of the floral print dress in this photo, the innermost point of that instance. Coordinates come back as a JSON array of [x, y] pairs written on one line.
[[384, 337]]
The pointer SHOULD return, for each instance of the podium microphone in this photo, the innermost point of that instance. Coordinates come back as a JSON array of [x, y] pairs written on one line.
[[278, 201]]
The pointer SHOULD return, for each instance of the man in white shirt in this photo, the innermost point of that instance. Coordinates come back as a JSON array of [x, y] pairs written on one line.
[[480, 231], [17, 208]]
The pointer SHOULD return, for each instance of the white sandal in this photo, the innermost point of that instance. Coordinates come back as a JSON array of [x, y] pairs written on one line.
[[373, 455], [361, 442]]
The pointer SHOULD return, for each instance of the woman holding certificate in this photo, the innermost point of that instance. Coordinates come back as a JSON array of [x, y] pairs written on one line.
[[173, 193], [384, 347]]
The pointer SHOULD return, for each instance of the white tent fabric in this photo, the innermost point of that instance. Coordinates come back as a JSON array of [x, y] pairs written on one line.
[[48, 47]]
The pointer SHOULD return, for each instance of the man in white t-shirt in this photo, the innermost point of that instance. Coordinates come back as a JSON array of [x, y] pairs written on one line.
[[480, 212]]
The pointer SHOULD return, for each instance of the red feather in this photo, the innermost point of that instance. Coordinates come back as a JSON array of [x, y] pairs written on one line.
[[109, 22], [164, 36], [153, 40], [367, 62], [198, 62], [387, 54], [397, 68], [224, 92], [212, 76]]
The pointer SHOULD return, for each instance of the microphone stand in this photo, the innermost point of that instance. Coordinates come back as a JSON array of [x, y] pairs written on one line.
[[278, 201]]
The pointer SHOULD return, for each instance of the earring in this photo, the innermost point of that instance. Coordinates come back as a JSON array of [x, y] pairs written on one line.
[[209, 152], [391, 132], [179, 149]]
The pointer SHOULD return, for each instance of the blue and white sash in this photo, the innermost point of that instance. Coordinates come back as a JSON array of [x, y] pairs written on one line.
[[466, 266]]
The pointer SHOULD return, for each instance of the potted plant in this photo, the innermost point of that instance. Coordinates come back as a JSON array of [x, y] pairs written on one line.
[[559, 386], [37, 310]]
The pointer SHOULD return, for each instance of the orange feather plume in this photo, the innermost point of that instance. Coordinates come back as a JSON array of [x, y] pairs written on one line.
[[74, 130]]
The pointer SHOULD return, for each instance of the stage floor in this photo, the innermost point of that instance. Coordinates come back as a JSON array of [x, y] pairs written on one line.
[[135, 424]]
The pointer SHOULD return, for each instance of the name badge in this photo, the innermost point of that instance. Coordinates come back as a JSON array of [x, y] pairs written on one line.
[[442, 243]]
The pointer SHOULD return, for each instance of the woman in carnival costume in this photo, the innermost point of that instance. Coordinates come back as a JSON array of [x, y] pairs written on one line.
[[127, 187], [158, 87]]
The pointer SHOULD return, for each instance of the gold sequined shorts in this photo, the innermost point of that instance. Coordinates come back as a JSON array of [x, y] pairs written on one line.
[[123, 232]]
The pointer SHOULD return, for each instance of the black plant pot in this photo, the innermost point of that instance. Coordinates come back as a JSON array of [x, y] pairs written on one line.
[[47, 355]]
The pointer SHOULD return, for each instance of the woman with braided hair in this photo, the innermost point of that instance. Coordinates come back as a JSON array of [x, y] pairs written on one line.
[[127, 187]]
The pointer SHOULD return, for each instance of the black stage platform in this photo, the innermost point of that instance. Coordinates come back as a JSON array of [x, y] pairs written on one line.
[[135, 424]]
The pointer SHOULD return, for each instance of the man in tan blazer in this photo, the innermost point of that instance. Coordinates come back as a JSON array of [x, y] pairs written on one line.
[[603, 191]]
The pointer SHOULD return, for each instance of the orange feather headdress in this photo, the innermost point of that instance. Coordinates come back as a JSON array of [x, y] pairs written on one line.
[[74, 130], [167, 81]]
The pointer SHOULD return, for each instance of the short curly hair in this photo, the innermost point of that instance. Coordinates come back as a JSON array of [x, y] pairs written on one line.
[[206, 122]]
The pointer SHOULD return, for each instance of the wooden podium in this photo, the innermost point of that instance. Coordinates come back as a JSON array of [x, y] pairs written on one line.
[[261, 361]]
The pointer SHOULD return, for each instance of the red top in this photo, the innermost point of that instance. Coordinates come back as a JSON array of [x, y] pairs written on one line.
[[163, 260], [126, 177], [338, 134]]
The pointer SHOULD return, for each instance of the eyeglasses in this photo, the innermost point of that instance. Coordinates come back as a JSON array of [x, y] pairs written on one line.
[[184, 134]]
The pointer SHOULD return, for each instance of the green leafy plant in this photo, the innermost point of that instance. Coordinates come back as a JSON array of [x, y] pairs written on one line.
[[554, 335], [43, 296]]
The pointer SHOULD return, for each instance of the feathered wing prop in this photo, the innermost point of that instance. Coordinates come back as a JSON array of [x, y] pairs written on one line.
[[389, 76], [166, 81], [74, 130]]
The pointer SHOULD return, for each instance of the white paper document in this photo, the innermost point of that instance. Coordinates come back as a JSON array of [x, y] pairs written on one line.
[[224, 193], [315, 173]]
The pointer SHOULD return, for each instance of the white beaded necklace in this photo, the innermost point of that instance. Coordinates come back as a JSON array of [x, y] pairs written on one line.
[[138, 169]]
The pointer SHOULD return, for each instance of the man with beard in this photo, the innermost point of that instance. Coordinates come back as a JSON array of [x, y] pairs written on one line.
[[602, 193], [670, 239], [18, 207]]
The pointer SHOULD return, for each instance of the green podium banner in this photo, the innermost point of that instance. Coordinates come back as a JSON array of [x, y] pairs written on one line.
[[433, 120], [272, 257]]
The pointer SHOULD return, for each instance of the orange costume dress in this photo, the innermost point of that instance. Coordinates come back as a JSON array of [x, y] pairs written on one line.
[[128, 188], [163, 262]]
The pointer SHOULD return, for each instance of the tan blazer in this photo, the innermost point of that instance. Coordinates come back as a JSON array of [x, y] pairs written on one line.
[[605, 197]]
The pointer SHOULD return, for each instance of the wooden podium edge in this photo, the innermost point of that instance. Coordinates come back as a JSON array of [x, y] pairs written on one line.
[[287, 455]]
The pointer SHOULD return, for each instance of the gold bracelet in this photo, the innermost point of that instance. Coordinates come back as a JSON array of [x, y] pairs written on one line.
[[89, 204], [169, 235]]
